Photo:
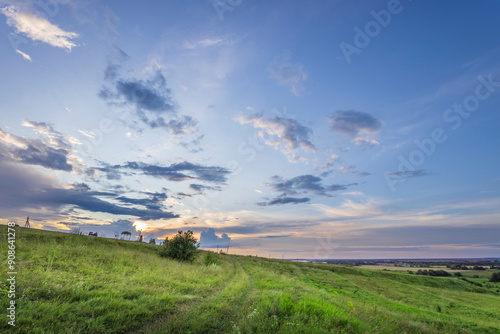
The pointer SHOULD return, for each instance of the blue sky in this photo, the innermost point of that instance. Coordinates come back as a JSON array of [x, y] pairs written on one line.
[[329, 129]]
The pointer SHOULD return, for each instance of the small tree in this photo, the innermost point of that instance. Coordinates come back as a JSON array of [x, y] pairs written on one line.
[[495, 277], [152, 241], [182, 247]]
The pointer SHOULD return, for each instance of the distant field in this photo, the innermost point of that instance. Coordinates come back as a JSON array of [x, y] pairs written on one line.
[[79, 284], [467, 273], [483, 275]]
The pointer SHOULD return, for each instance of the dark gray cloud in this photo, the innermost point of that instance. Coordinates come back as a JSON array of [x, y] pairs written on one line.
[[89, 201], [30, 191], [152, 202], [151, 99], [284, 200], [53, 150], [407, 174], [181, 171], [208, 239], [305, 184], [144, 96], [37, 153], [176, 172], [302, 184], [353, 123], [199, 188]]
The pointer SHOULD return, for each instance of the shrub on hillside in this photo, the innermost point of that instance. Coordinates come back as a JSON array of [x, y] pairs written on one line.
[[182, 247], [495, 277]]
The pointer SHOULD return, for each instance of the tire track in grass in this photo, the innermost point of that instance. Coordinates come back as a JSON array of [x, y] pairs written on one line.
[[208, 315]]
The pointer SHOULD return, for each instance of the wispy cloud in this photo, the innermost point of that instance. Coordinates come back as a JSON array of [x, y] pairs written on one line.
[[287, 73], [407, 174], [210, 42], [285, 200], [24, 55], [38, 28], [200, 188]]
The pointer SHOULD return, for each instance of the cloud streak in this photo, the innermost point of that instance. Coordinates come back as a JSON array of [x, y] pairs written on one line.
[[302, 184], [182, 171], [407, 174], [38, 28], [25, 56]]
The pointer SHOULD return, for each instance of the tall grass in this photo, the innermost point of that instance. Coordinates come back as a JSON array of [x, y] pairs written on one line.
[[78, 284]]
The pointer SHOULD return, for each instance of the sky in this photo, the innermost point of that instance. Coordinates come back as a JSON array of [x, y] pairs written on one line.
[[320, 130]]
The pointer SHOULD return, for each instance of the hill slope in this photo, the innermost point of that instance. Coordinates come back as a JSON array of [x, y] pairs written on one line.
[[78, 284]]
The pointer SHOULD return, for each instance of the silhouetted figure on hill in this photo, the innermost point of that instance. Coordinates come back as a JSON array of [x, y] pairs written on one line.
[[27, 222]]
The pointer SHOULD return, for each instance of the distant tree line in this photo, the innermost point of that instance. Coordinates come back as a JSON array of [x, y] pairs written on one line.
[[433, 272], [463, 267]]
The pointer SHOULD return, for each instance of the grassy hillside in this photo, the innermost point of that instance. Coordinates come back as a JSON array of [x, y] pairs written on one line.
[[78, 284]]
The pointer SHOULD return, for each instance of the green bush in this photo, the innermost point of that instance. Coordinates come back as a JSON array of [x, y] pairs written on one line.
[[211, 258], [182, 247], [495, 277]]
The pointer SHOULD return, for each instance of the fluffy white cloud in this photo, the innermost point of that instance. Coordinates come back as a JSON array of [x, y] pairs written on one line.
[[283, 134]]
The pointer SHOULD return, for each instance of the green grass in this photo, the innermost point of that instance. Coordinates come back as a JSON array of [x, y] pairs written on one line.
[[78, 284]]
